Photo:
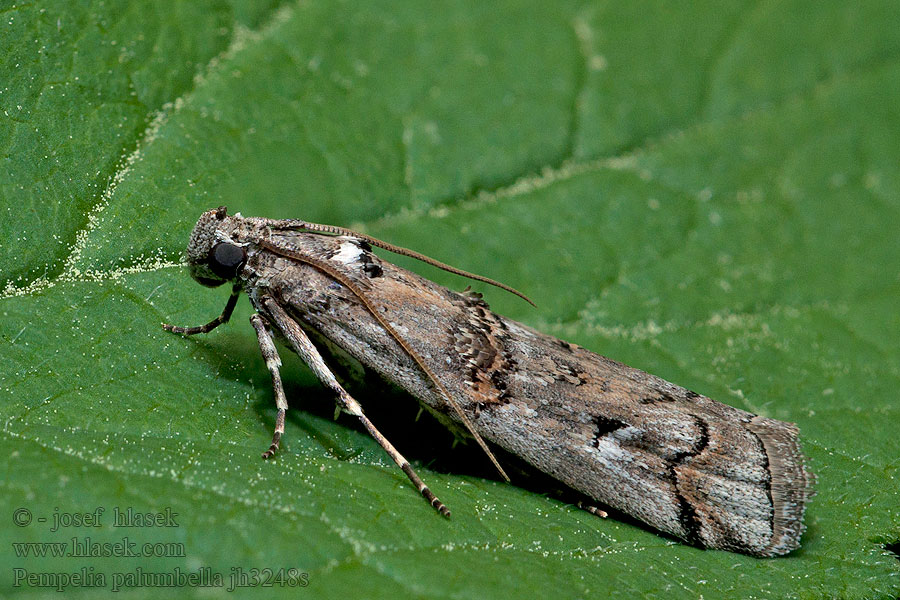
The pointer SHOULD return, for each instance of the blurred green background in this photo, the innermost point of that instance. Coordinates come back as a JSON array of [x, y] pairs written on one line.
[[708, 191]]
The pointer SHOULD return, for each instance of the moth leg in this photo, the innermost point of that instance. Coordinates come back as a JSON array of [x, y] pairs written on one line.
[[307, 351], [592, 509], [273, 363], [223, 318]]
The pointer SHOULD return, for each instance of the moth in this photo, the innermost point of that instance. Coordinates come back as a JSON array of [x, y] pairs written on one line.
[[707, 473]]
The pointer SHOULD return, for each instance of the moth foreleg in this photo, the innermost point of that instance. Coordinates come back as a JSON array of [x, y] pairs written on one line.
[[223, 318], [273, 363], [302, 345]]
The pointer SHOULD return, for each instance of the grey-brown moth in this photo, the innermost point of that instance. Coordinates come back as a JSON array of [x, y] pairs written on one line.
[[710, 474]]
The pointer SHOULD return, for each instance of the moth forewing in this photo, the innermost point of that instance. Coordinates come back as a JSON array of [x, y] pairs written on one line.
[[710, 474]]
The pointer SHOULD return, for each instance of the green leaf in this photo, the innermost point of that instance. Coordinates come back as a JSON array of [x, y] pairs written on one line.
[[708, 192]]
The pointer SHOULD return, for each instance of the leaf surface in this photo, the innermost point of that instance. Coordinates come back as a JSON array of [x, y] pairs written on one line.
[[708, 193]]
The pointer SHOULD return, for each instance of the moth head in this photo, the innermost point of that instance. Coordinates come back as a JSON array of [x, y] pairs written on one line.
[[212, 256]]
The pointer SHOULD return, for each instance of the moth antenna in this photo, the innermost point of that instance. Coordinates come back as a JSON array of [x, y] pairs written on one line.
[[345, 281], [319, 228]]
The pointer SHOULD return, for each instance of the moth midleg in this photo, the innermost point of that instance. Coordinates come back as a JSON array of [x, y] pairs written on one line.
[[223, 318], [273, 363], [304, 348]]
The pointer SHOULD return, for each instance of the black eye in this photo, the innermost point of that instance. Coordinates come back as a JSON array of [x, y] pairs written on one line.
[[225, 259]]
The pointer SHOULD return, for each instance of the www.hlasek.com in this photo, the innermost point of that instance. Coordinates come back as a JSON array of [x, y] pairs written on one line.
[[85, 547], [204, 577]]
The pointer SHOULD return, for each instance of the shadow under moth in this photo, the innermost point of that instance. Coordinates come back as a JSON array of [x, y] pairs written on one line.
[[710, 474]]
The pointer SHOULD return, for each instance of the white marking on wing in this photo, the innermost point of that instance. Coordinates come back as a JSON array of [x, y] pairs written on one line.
[[348, 253]]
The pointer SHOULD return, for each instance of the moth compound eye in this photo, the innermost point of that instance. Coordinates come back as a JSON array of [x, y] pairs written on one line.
[[225, 259], [209, 282]]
